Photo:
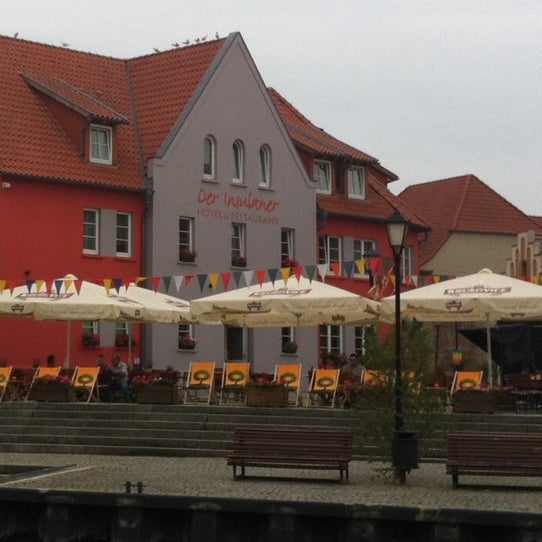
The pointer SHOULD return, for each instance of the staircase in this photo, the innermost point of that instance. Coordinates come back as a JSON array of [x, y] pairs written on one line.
[[202, 431]]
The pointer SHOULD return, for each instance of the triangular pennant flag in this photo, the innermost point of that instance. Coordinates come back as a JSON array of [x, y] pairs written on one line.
[[78, 283], [202, 279], [393, 281], [213, 280], [285, 274], [260, 276], [140, 280], [155, 283], [48, 286], [436, 279], [374, 263], [298, 271], [126, 281], [336, 268], [248, 275], [2, 285], [167, 282], [11, 284], [360, 266], [107, 285], [348, 268], [117, 283], [67, 284], [188, 279], [226, 276], [29, 284], [272, 273], [310, 271], [386, 262], [58, 285], [415, 280], [178, 280], [322, 270], [237, 277]]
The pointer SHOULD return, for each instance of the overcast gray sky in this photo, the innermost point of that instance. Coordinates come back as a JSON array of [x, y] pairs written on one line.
[[432, 88]]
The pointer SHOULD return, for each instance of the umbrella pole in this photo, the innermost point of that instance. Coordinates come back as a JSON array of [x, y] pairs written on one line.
[[68, 345], [489, 356]]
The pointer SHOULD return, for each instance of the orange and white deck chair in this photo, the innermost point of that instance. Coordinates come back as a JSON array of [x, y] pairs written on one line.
[[85, 383], [43, 372], [374, 377], [466, 380], [323, 387], [5, 374], [234, 382], [289, 375], [199, 386]]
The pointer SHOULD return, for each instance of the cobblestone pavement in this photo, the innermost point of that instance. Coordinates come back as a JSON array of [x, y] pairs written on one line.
[[370, 483]]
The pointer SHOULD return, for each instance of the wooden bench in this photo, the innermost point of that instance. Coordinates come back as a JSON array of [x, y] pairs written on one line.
[[291, 448], [491, 453]]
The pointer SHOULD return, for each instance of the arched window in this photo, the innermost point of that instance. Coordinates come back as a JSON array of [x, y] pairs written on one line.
[[238, 161], [209, 158], [265, 165]]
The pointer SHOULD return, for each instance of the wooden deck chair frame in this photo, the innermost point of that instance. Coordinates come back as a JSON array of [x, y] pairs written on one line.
[[199, 388], [43, 372], [234, 382], [470, 379], [5, 374], [289, 374], [86, 379], [323, 387]]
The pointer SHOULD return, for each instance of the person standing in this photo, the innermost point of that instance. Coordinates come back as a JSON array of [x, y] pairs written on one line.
[[119, 379]]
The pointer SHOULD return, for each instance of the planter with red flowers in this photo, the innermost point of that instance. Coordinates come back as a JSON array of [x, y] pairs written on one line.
[[261, 391]]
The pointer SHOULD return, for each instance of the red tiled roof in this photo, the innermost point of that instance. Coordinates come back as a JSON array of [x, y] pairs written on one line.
[[379, 203], [463, 204], [147, 93]]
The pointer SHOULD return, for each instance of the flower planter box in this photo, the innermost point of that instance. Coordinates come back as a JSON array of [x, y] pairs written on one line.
[[53, 392], [468, 401], [162, 394], [267, 396]]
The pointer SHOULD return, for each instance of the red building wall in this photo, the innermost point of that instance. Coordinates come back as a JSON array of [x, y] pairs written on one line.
[[42, 238]]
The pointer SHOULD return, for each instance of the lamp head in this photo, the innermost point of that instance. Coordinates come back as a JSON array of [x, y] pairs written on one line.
[[397, 227]]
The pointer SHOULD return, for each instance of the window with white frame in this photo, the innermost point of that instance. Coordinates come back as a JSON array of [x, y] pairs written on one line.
[[356, 183], [329, 249], [186, 339], [186, 239], [209, 158], [101, 144], [265, 166], [331, 339], [362, 247], [287, 246], [407, 265], [90, 335], [90, 231], [238, 245], [322, 176], [124, 234], [238, 161], [288, 342], [123, 335]]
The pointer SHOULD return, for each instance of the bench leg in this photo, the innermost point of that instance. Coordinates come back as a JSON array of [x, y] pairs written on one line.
[[455, 480]]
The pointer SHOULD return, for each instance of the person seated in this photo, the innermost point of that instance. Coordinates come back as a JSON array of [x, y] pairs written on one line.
[[354, 366], [119, 379]]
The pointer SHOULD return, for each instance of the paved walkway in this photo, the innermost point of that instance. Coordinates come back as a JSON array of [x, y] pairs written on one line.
[[427, 487]]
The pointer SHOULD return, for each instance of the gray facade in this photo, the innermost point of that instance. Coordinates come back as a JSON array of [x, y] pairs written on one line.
[[231, 104]]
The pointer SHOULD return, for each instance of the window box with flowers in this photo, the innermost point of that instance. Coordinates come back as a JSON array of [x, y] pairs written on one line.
[[263, 391], [289, 262], [289, 347], [156, 388], [57, 389], [186, 342], [238, 261], [187, 255], [90, 340], [484, 400], [122, 340]]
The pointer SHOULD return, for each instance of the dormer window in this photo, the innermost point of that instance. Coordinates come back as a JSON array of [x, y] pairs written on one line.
[[101, 145], [356, 183]]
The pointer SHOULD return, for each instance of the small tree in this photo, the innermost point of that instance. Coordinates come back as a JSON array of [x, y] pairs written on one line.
[[378, 425]]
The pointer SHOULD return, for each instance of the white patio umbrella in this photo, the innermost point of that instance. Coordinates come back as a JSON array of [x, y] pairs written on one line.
[[70, 300], [297, 303], [482, 296]]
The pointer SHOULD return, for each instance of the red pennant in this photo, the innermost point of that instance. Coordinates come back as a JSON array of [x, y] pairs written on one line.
[[260, 275], [155, 283], [225, 279]]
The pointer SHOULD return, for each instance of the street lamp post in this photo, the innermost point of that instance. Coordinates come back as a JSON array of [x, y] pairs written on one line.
[[404, 443]]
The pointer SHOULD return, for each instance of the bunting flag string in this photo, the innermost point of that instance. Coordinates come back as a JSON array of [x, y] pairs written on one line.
[[382, 274]]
